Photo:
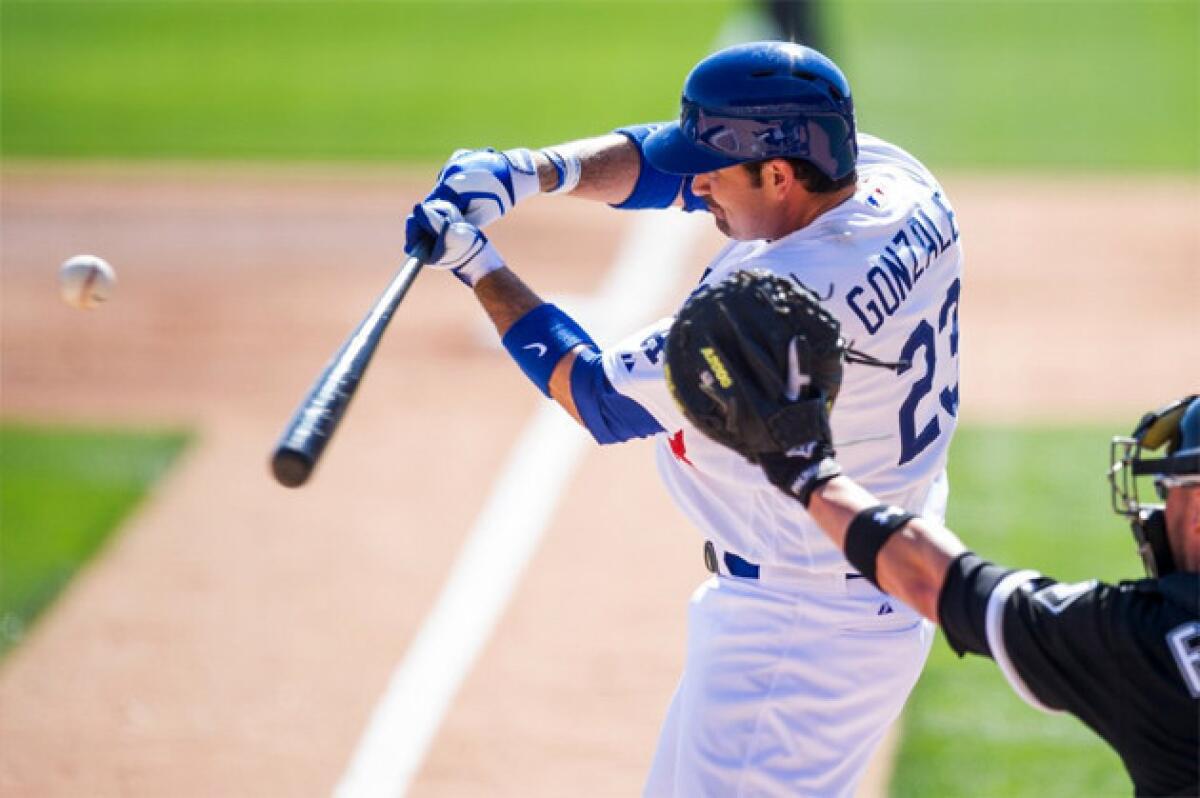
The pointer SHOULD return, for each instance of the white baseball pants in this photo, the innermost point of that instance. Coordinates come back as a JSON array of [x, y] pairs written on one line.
[[786, 692]]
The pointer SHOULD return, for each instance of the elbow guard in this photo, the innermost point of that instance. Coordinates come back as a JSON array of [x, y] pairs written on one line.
[[655, 189], [608, 415]]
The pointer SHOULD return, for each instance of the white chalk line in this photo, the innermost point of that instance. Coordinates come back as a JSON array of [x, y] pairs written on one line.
[[507, 531]]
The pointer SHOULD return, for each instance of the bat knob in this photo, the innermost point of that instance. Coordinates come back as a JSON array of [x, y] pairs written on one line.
[[291, 468]]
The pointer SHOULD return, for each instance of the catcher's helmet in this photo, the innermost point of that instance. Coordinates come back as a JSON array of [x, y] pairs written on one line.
[[1177, 428], [757, 101]]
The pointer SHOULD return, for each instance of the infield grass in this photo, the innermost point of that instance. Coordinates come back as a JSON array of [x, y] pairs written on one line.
[[1028, 498], [62, 491]]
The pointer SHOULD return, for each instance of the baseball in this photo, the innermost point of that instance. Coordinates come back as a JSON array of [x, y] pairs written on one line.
[[85, 281]]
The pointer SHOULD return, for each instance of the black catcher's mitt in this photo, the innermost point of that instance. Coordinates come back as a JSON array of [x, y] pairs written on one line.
[[755, 362]]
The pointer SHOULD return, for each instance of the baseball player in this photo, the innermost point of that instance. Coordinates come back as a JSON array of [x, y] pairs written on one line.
[[795, 664], [1124, 659]]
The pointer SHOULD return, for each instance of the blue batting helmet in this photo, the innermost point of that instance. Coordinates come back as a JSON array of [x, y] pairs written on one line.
[[757, 101]]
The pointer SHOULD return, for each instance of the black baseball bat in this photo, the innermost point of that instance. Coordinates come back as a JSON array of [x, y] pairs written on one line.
[[318, 416]]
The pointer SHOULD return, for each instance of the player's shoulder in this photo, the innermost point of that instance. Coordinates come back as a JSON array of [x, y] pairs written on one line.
[[1134, 616], [883, 163], [1181, 590], [1148, 604], [874, 152]]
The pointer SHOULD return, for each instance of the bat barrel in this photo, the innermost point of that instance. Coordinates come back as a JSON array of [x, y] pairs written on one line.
[[291, 467], [317, 418]]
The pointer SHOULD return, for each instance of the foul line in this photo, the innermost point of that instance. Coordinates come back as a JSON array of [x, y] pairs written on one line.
[[507, 532]]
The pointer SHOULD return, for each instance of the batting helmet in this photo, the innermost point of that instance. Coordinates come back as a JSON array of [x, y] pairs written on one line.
[[757, 101]]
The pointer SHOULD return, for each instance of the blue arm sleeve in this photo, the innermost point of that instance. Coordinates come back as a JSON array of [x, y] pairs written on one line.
[[608, 415], [655, 189]]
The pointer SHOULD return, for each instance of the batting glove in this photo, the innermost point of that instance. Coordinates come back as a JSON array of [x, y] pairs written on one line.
[[454, 243], [485, 184]]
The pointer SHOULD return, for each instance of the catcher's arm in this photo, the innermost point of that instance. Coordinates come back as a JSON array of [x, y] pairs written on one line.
[[911, 564]]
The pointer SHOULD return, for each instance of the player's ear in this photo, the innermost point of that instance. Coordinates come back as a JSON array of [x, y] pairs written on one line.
[[777, 174]]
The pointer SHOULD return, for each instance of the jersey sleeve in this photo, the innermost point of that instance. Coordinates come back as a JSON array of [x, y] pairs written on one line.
[[1045, 636], [634, 367]]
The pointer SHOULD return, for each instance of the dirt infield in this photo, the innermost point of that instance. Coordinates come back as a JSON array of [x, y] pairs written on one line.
[[234, 637]]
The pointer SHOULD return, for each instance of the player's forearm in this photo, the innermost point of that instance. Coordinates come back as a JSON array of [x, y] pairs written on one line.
[[912, 565], [561, 359], [609, 168], [506, 299]]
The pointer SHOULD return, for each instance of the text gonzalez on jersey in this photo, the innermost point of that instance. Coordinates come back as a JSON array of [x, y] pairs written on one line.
[[900, 264]]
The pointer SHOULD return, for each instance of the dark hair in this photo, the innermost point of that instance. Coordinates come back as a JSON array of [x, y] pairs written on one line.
[[809, 176]]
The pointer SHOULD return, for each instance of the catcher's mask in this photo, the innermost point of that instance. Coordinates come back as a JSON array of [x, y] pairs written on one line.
[[1177, 428]]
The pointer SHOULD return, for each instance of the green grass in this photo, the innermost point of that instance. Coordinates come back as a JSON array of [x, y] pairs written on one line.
[[1111, 84], [1030, 498], [336, 80], [61, 493], [1028, 83]]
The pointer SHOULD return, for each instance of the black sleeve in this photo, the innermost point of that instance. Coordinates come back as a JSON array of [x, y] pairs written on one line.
[[1120, 658], [962, 604], [1048, 638]]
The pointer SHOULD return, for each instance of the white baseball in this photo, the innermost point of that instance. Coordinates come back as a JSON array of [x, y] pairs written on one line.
[[85, 281]]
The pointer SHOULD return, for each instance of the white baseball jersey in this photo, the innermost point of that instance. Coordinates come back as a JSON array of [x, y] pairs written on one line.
[[888, 263]]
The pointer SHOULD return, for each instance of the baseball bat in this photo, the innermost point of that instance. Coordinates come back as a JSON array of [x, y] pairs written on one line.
[[317, 418]]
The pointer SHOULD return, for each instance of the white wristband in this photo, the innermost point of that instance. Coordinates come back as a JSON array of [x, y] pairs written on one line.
[[480, 265], [569, 169]]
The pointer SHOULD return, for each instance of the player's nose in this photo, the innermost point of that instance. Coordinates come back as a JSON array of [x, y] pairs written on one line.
[[702, 183]]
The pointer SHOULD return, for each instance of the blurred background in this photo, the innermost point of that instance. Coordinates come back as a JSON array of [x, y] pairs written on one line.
[[247, 165]]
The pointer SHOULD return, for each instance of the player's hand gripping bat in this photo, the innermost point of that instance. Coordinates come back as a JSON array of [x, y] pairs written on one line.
[[317, 417]]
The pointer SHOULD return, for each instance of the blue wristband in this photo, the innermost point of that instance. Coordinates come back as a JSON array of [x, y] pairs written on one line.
[[654, 189], [541, 338]]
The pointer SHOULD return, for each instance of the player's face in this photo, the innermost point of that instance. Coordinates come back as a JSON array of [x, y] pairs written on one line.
[[742, 210], [1183, 525]]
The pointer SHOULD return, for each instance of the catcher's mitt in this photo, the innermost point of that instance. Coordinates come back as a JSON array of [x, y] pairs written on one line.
[[755, 362]]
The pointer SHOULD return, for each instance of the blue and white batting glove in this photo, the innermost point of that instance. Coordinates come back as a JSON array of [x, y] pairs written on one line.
[[485, 184], [455, 243]]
